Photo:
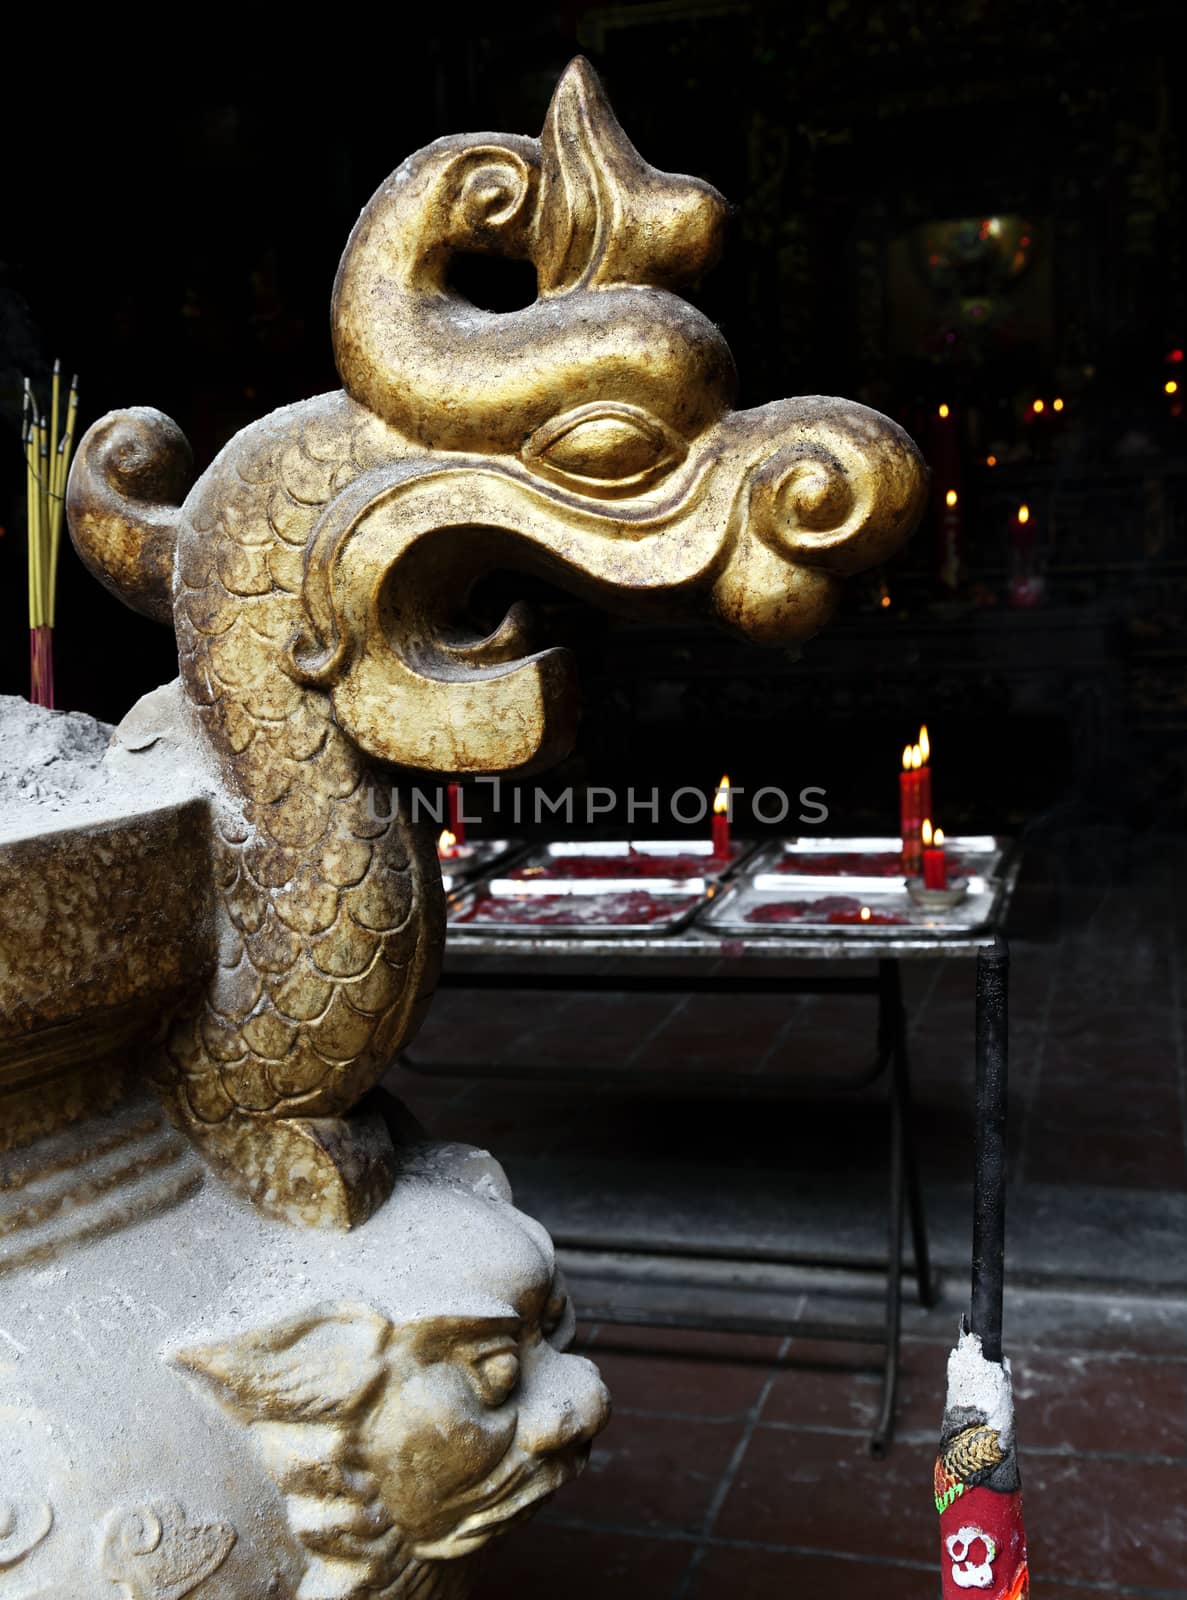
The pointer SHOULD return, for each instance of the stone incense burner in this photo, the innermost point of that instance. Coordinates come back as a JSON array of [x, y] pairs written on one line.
[[256, 1338]]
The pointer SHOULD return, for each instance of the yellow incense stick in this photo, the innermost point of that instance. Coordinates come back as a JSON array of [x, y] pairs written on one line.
[[30, 493], [55, 395], [35, 526], [49, 442], [43, 519]]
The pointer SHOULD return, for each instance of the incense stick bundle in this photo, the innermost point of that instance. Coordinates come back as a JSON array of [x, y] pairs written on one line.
[[47, 465]]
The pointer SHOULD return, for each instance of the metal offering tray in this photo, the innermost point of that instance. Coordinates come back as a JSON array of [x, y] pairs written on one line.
[[593, 888], [641, 861], [574, 907], [969, 855], [786, 904], [466, 861]]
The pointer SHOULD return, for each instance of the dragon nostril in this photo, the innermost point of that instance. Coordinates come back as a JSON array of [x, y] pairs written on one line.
[[817, 497]]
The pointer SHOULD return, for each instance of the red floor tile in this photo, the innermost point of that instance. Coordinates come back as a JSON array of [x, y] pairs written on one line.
[[582, 1564], [734, 1034], [653, 1473], [1098, 1064], [442, 1039], [694, 1374], [1109, 1522], [1086, 1402], [830, 1385], [826, 1493], [1106, 1137], [1053, 1590], [764, 1575]]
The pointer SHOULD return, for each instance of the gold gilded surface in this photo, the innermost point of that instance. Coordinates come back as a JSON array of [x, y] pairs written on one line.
[[317, 576]]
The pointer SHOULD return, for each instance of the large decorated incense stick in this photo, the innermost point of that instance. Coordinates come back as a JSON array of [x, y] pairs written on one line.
[[48, 443], [977, 1483]]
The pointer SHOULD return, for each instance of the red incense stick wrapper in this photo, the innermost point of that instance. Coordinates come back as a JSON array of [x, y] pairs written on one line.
[[977, 1485]]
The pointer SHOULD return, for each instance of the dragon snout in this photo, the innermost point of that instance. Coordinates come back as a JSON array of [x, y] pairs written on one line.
[[759, 524], [837, 489]]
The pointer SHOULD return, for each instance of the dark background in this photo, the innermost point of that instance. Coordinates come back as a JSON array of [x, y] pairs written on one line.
[[173, 213]]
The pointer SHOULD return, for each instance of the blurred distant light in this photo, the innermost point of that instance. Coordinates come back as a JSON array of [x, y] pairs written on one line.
[[1039, 407], [950, 498], [1175, 356], [1024, 513], [945, 410], [1171, 386], [1057, 405], [991, 461]]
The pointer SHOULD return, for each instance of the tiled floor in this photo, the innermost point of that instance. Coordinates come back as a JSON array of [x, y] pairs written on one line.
[[736, 1466]]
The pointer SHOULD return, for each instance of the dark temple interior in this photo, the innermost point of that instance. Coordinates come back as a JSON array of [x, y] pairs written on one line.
[[970, 217]]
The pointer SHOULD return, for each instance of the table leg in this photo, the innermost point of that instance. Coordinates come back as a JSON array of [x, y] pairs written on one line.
[[900, 1088], [989, 1185], [884, 1429], [905, 1190]]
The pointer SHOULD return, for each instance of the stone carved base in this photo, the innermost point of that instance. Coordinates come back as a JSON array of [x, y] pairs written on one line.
[[195, 1400]]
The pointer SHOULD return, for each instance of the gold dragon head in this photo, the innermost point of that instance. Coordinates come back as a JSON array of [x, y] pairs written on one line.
[[587, 437]]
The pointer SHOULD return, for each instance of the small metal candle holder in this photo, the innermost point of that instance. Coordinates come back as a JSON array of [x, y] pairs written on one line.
[[945, 899]]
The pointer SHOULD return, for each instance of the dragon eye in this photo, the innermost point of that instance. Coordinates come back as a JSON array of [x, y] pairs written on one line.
[[607, 448], [497, 1375]]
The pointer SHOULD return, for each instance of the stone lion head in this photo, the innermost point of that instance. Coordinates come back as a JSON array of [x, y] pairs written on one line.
[[398, 1447]]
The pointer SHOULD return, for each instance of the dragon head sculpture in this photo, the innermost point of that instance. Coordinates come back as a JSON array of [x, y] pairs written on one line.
[[588, 437], [317, 575]]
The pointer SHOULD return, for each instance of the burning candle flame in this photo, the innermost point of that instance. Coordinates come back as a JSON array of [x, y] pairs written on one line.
[[1024, 513], [925, 832], [938, 841], [447, 843], [865, 913], [906, 758], [951, 497], [721, 800], [916, 757], [924, 744], [944, 410]]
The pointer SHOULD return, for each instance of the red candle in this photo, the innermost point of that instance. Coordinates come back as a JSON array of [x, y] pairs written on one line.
[[935, 865], [457, 824], [721, 821], [910, 814], [924, 775]]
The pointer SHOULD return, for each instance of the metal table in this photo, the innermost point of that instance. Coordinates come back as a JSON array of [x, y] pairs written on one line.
[[706, 951]]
